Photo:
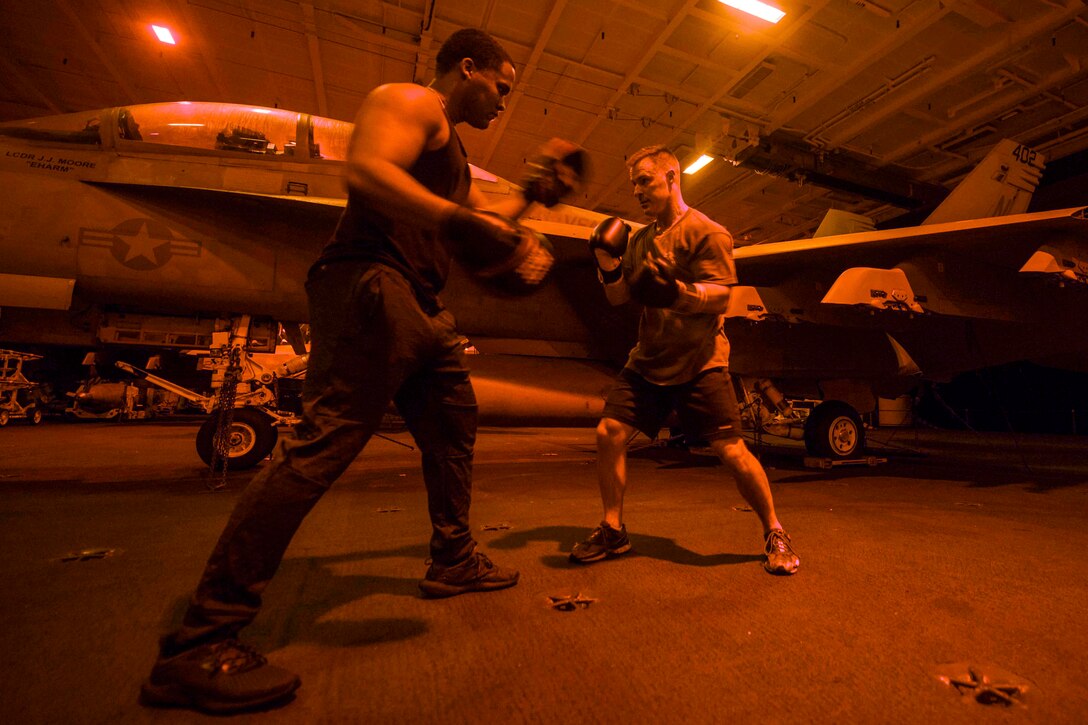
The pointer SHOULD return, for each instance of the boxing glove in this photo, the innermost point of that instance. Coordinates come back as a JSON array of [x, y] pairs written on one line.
[[655, 286], [607, 244], [555, 172], [512, 258]]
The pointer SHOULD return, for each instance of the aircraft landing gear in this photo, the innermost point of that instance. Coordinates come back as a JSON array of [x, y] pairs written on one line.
[[834, 430], [14, 387], [251, 437]]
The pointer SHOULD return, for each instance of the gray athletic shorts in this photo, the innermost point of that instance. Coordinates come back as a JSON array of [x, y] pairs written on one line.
[[706, 406]]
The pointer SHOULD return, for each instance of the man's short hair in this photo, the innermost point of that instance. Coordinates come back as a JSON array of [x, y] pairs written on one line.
[[663, 158], [473, 43]]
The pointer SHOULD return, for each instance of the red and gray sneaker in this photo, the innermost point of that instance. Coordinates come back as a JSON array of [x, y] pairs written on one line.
[[219, 678], [604, 542], [477, 573], [781, 558]]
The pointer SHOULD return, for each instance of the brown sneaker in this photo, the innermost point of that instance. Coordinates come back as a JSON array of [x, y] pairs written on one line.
[[604, 542], [475, 574], [222, 677], [781, 558]]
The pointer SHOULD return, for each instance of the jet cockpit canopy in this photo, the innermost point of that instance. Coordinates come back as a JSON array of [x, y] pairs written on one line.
[[196, 126]]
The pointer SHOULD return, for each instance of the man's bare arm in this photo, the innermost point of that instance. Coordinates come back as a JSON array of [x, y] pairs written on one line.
[[511, 207], [396, 124]]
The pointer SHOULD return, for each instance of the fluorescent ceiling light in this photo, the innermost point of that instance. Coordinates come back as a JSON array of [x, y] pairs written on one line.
[[698, 164], [754, 7], [164, 34]]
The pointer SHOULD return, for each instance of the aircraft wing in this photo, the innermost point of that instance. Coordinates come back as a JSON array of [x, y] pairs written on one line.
[[937, 299], [134, 189], [562, 221], [998, 239]]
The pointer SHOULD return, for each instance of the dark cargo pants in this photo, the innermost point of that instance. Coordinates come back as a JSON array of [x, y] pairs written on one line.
[[371, 343]]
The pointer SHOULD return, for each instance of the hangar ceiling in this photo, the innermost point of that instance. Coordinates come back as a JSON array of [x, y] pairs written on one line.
[[871, 107]]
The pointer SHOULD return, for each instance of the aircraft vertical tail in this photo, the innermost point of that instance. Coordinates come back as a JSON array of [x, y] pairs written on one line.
[[1000, 185], [837, 222]]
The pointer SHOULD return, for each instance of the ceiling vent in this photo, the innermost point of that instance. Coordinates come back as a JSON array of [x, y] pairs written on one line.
[[874, 8], [956, 145], [753, 79]]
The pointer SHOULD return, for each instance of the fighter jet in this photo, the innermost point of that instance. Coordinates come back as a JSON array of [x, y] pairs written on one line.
[[856, 313], [186, 224], [189, 225]]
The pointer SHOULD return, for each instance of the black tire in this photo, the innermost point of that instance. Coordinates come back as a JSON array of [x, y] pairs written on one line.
[[252, 437], [834, 430], [34, 415]]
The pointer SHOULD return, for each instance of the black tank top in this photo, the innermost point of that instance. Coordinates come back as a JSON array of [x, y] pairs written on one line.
[[422, 256]]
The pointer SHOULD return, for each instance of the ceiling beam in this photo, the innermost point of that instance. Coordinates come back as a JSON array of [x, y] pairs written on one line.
[[97, 49], [310, 26], [1019, 34], [354, 26], [426, 41], [13, 72], [985, 113], [634, 74], [699, 61], [1072, 120], [909, 29], [423, 56], [768, 39], [622, 89], [543, 36], [774, 215], [655, 13], [621, 178], [736, 107], [196, 39]]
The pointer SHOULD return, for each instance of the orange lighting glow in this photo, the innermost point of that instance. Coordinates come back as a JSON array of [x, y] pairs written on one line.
[[164, 34], [698, 163], [761, 10]]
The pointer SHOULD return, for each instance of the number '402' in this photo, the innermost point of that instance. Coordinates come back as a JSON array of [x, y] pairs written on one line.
[[1024, 155]]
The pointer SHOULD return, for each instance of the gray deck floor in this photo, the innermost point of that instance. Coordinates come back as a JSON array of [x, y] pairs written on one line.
[[960, 549]]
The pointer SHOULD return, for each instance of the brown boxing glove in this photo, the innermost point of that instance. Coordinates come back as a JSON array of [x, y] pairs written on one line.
[[511, 258], [557, 170]]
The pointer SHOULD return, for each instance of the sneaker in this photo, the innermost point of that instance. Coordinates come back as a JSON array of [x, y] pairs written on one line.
[[781, 558], [604, 542], [477, 573], [222, 677]]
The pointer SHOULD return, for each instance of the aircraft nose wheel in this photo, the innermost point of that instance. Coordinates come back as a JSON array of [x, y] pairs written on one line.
[[241, 440], [843, 435], [834, 430], [250, 439]]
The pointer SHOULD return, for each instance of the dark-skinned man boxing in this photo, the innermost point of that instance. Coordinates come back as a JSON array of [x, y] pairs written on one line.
[[379, 333]]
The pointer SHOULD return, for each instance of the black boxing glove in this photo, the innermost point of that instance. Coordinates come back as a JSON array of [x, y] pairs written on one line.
[[555, 172], [607, 244], [498, 250], [655, 286]]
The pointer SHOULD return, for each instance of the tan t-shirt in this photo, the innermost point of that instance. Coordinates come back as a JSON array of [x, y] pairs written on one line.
[[672, 347]]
